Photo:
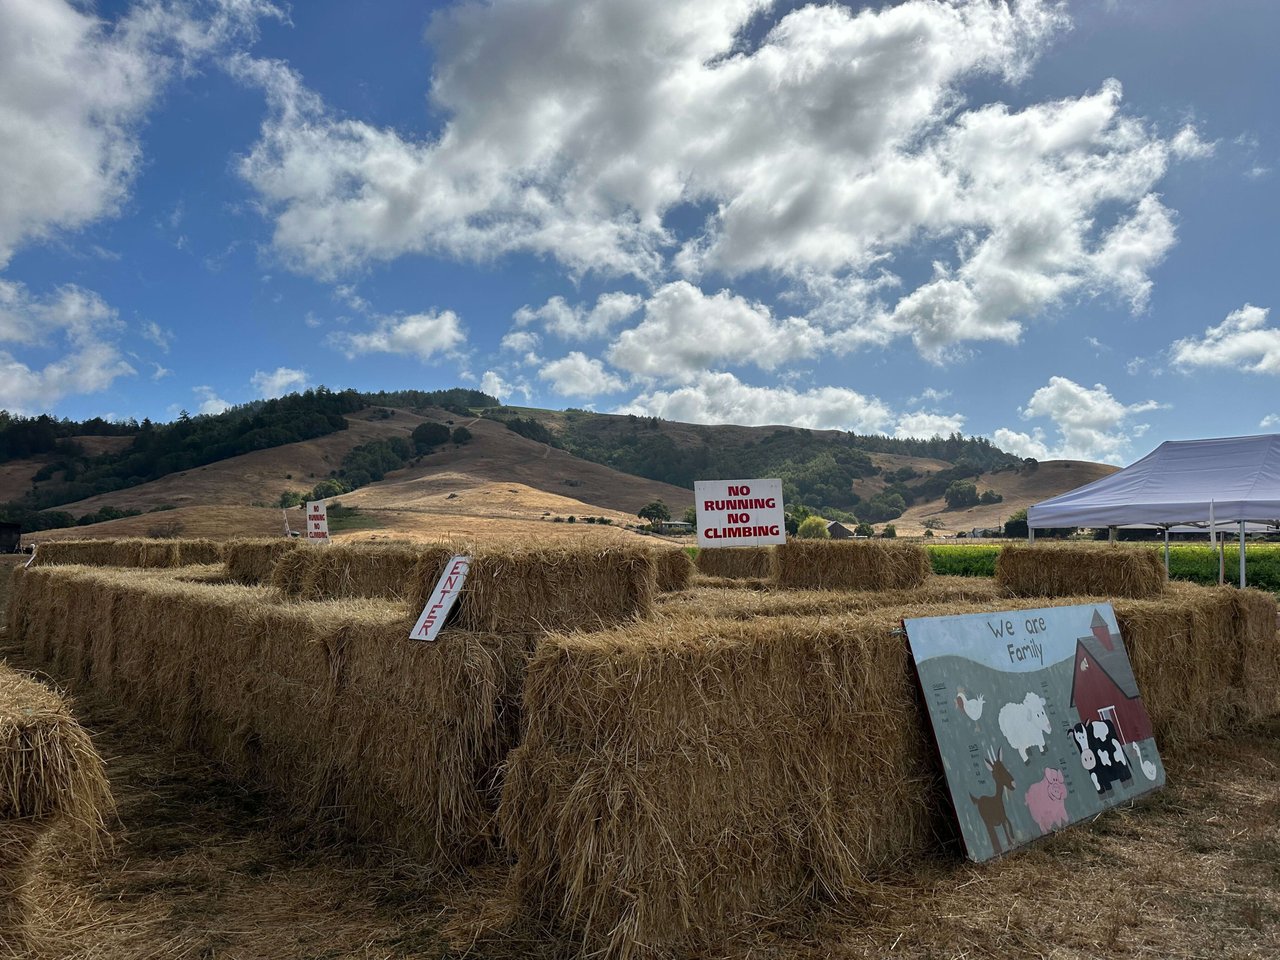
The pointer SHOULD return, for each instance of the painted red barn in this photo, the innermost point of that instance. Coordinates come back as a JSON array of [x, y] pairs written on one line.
[[1103, 686]]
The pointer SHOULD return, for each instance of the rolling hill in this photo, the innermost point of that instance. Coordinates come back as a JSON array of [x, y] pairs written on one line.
[[572, 464]]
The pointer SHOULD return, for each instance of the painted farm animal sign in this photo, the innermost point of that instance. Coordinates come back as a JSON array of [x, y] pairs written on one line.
[[1038, 720]]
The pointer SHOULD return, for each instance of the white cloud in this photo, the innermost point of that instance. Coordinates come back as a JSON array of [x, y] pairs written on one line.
[[1022, 444], [279, 382], [75, 91], [1091, 423], [930, 395], [826, 152], [1269, 421], [723, 398], [160, 372], [422, 335], [73, 321], [210, 402], [493, 384], [684, 332], [1243, 341], [161, 337], [1187, 143], [557, 317], [577, 375], [924, 425]]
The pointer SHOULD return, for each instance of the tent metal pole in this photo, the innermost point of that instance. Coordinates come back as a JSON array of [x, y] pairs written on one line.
[[1242, 557], [1111, 534], [1031, 536], [1166, 551]]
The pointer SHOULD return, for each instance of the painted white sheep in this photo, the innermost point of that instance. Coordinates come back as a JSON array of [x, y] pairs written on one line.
[[1025, 724]]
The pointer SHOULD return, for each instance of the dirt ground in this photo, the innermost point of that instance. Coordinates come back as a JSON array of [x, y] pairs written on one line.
[[203, 868]]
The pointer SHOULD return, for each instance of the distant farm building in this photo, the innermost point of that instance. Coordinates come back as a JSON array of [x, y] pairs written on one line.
[[10, 537], [673, 526], [838, 530]]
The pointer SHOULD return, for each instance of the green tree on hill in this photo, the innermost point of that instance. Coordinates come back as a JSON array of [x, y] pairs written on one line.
[[655, 512], [813, 528], [961, 494]]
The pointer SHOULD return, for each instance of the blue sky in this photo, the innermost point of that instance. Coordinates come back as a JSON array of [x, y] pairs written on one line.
[[1054, 225]]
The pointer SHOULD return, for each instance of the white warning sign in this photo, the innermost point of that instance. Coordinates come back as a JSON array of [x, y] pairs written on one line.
[[442, 599], [739, 513], [317, 520]]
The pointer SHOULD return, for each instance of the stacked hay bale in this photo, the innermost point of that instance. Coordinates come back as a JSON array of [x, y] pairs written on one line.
[[131, 552], [336, 571], [327, 701], [846, 565], [250, 560], [681, 778], [738, 563], [674, 570], [708, 601], [1204, 659], [1080, 571], [50, 775]]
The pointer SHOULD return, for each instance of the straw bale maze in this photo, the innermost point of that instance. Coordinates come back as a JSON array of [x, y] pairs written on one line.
[[637, 757]]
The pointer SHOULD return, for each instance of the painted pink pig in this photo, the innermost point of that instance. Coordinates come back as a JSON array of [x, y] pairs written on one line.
[[1046, 800]]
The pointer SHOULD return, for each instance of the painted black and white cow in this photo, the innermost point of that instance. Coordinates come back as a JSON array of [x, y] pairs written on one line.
[[1101, 754]]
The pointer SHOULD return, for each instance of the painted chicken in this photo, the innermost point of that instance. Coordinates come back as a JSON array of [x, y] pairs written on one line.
[[972, 708]]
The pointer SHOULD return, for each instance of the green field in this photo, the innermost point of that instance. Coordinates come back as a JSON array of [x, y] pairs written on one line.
[[1195, 562]]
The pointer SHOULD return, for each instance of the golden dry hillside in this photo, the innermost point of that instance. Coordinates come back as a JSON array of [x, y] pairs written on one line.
[[499, 477], [1020, 490]]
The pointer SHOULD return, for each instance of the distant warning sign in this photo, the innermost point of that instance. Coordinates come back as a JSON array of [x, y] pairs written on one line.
[[739, 513], [442, 599], [317, 520]]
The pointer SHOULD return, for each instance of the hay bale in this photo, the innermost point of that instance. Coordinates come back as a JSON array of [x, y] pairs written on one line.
[[50, 775], [680, 779], [731, 583], [1080, 570], [773, 602], [848, 565], [1205, 659], [387, 571], [753, 563], [126, 552], [674, 570], [426, 729], [528, 590], [201, 552], [250, 560], [359, 730]]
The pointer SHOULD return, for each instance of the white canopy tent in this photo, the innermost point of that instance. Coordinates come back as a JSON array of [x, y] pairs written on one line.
[[1199, 483]]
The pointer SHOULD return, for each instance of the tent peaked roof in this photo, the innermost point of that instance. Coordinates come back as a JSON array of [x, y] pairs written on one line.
[[1175, 483]]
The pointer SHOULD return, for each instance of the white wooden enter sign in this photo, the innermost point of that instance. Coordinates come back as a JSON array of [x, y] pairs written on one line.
[[442, 599]]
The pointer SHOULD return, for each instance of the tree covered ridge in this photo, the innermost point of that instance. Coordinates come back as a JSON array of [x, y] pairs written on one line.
[[159, 449], [818, 468]]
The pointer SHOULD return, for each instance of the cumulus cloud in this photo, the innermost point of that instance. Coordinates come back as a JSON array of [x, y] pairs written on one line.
[[210, 403], [723, 398], [75, 91], [422, 335], [1022, 444], [684, 332], [73, 321], [924, 425], [824, 151], [278, 382], [577, 375], [567, 322], [1243, 341], [1090, 422], [493, 384], [1269, 421]]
